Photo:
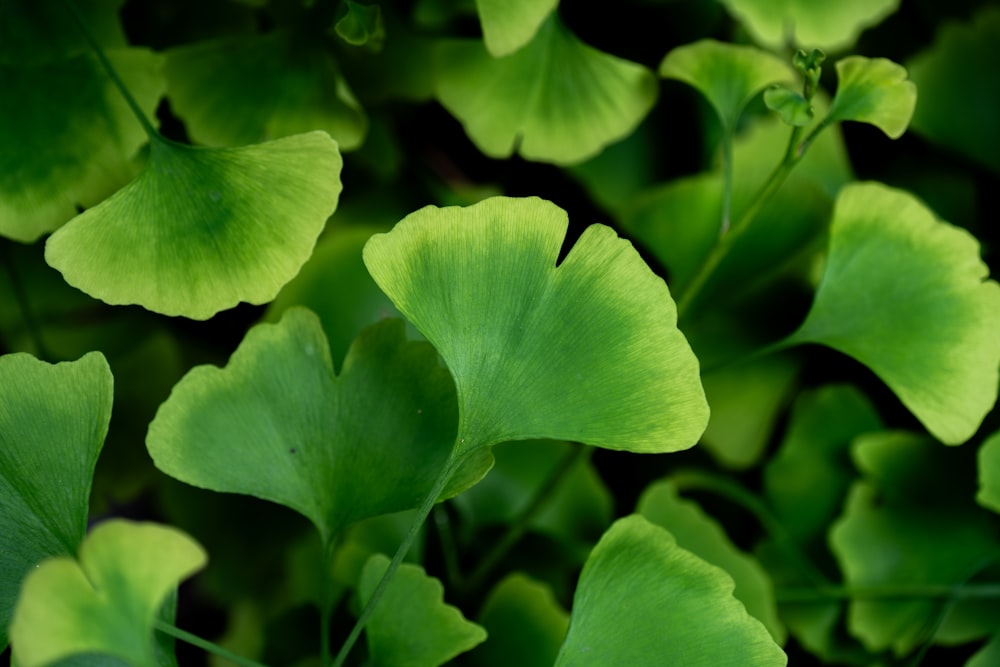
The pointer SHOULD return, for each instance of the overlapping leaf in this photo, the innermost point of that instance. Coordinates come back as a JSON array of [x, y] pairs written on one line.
[[587, 351], [874, 91], [510, 24], [989, 473], [525, 622]]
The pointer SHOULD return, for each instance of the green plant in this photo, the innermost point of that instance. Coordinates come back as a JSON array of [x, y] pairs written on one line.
[[523, 443]]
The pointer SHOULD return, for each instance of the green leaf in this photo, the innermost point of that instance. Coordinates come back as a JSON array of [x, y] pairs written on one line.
[[789, 104], [510, 24], [106, 601], [989, 473], [554, 100], [38, 32], [53, 420], [251, 88], [413, 626], [704, 537], [587, 351], [525, 622], [728, 75], [959, 99], [906, 295], [276, 423], [833, 26], [874, 91], [361, 25], [200, 230], [643, 600]]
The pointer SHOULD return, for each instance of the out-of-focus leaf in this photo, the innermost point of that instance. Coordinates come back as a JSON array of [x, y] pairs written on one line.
[[526, 625], [361, 25], [510, 24], [989, 473], [790, 105]]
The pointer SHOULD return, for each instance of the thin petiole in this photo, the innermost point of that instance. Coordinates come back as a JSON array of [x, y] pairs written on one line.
[[204, 644]]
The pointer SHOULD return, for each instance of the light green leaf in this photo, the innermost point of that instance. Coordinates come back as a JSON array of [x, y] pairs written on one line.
[[643, 600], [247, 89], [276, 423], [525, 622], [106, 601], [827, 25], [200, 230], [510, 24], [412, 625], [789, 104], [989, 473], [728, 75], [554, 100], [874, 91], [53, 420], [587, 351], [906, 295]]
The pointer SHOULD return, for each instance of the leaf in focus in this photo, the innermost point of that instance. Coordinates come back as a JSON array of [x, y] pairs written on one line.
[[959, 97], [874, 91], [246, 89], [106, 601], [989, 473], [906, 295], [588, 351], [832, 26], [200, 230], [554, 100], [789, 104], [525, 623], [276, 423], [643, 600], [412, 626], [510, 24], [699, 533], [728, 75], [53, 420]]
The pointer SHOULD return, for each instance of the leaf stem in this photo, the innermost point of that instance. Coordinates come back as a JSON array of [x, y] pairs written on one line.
[[727, 180], [204, 644], [113, 74]]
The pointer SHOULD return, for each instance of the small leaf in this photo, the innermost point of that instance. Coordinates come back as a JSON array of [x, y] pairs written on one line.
[[412, 625], [361, 25], [989, 473], [874, 91], [200, 230], [790, 105], [727, 75], [906, 295], [53, 420], [588, 351], [510, 24], [525, 622], [106, 601], [643, 600], [554, 100]]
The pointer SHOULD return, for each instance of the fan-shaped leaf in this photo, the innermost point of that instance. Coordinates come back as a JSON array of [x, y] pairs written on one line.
[[989, 473], [587, 351], [874, 91], [554, 100], [510, 24], [200, 230], [525, 622], [906, 295]]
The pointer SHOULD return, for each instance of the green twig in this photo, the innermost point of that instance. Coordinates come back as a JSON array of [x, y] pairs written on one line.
[[204, 644]]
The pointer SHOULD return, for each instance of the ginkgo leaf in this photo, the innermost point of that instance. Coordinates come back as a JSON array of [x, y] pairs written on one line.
[[989, 473], [105, 601], [643, 600], [276, 423], [251, 88], [361, 25], [412, 625], [525, 622], [906, 295], [554, 100], [510, 24], [53, 420], [874, 91], [728, 75], [200, 229], [38, 32], [586, 351], [827, 25]]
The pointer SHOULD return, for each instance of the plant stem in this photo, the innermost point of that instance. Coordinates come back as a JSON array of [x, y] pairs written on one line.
[[727, 180], [204, 644], [21, 295], [113, 74], [418, 521]]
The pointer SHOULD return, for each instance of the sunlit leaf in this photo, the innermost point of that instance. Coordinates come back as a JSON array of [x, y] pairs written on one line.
[[587, 351], [554, 100], [906, 295], [525, 622], [874, 91], [643, 600], [53, 419], [989, 473], [200, 230], [412, 625], [106, 601], [510, 24]]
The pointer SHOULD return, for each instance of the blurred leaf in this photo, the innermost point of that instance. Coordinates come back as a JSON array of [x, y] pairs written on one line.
[[34, 32], [53, 420], [412, 625], [555, 100], [587, 351], [874, 91], [402, 69], [789, 104], [525, 623], [643, 600], [905, 294], [106, 601], [988, 655], [510, 24], [989, 473], [200, 230], [361, 25], [959, 96]]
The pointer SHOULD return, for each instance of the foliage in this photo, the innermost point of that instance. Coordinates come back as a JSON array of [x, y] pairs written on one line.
[[492, 333]]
